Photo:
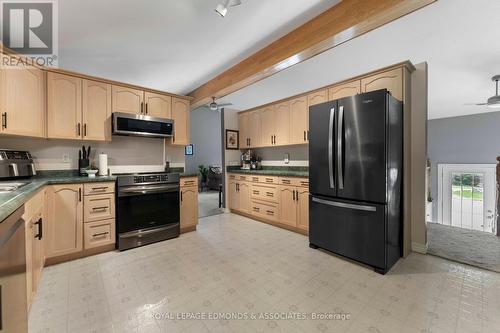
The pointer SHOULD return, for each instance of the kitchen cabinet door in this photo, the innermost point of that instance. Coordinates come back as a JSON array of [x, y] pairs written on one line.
[[299, 120], [96, 111], [127, 100], [64, 104], [244, 197], [391, 80], [288, 206], [180, 115], [344, 90], [282, 124], [157, 105], [234, 202], [189, 206], [65, 220], [267, 126], [22, 101], [317, 97], [243, 128], [254, 129], [303, 209]]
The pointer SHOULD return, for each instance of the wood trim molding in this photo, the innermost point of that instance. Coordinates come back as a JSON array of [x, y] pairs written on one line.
[[339, 24], [22, 58]]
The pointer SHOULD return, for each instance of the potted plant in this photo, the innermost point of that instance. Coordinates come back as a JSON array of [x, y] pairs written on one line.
[[203, 172]]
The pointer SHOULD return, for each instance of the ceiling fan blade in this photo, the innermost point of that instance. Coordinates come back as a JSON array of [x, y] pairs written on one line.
[[224, 104]]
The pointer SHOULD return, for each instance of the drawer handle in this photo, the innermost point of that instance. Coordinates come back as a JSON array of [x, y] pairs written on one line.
[[99, 189], [100, 234], [256, 192], [255, 179], [285, 181], [256, 209], [269, 212], [95, 209], [270, 194], [269, 180]]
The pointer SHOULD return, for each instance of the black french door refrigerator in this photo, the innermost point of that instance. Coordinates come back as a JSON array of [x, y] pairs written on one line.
[[356, 175]]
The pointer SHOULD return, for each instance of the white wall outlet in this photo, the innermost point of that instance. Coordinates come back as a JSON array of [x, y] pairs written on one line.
[[287, 158], [65, 158]]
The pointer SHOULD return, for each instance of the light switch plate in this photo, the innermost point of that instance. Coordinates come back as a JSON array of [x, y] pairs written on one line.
[[287, 158], [65, 158]]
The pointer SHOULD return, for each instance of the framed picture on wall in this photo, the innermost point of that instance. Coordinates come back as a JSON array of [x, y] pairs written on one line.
[[189, 150], [232, 139]]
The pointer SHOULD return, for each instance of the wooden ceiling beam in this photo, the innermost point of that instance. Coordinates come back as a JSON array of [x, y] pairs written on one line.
[[339, 24]]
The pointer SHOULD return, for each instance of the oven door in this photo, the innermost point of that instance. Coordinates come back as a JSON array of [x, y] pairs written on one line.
[[145, 207]]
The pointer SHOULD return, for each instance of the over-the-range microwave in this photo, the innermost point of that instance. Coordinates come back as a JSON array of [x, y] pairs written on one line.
[[141, 125]]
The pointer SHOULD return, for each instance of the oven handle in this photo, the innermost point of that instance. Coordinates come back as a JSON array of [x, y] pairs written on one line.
[[148, 190]]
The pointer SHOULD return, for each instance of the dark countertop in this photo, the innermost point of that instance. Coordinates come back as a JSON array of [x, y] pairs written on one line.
[[10, 201], [273, 171]]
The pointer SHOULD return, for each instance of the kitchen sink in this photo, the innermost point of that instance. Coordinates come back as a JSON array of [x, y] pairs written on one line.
[[11, 186]]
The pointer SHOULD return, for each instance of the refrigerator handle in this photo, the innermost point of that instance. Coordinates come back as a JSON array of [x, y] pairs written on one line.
[[345, 205], [340, 144], [330, 147]]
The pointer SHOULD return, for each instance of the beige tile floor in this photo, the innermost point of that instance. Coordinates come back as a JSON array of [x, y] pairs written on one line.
[[236, 265]]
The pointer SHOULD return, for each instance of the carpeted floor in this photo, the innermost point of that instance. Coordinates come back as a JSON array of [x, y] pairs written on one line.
[[475, 248]]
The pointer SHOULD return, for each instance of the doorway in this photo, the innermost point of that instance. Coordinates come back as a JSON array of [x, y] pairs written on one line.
[[467, 196]]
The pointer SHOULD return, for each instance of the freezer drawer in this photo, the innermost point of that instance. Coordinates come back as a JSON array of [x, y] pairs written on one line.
[[354, 230]]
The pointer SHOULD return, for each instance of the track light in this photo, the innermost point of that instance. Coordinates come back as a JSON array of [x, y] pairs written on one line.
[[222, 8]]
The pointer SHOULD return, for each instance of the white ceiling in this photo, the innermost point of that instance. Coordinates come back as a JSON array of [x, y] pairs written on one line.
[[172, 45], [458, 39]]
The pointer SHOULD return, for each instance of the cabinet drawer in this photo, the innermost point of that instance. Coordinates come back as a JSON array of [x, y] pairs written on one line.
[[98, 188], [266, 193], [232, 176], [99, 233], [191, 181], [268, 211], [244, 178], [99, 207], [294, 181]]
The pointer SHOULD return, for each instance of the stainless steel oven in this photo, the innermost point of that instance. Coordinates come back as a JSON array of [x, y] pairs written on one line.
[[147, 208]]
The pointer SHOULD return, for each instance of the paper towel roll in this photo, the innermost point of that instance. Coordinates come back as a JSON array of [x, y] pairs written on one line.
[[103, 164]]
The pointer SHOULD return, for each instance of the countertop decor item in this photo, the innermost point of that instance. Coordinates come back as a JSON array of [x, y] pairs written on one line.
[[91, 172], [232, 139]]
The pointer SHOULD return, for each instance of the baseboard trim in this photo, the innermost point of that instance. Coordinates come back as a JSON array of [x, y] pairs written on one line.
[[419, 248]]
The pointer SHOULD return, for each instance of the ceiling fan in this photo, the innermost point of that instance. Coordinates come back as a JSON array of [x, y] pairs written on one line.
[[222, 8], [494, 101], [214, 106]]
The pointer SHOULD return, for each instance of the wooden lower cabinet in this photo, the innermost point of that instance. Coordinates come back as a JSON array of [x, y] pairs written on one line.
[[189, 205], [65, 220], [262, 198], [99, 233]]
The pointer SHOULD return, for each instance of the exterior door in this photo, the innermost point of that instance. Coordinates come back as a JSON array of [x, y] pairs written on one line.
[[128, 100], [467, 196], [159, 106], [96, 111], [361, 147], [322, 149], [64, 103]]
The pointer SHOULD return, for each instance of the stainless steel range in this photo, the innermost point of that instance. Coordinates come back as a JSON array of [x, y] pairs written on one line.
[[147, 208]]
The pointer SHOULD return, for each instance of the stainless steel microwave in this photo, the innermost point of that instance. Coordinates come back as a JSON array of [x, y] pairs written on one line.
[[141, 125]]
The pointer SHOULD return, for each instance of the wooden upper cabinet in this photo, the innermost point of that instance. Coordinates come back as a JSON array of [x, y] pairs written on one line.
[[299, 119], [157, 105], [344, 90], [254, 129], [391, 80], [64, 104], [180, 115], [282, 124], [65, 220], [243, 128], [127, 100], [96, 110], [22, 101], [317, 97], [267, 126], [189, 206]]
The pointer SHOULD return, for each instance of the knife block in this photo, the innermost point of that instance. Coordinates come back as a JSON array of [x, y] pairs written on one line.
[[83, 163]]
